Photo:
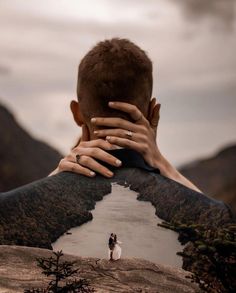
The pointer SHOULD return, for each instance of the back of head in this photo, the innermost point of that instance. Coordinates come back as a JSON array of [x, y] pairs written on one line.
[[114, 70]]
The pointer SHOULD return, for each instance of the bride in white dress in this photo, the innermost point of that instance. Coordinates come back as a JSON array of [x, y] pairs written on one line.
[[117, 249]]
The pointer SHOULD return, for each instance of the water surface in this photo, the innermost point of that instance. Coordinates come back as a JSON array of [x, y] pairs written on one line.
[[135, 224]]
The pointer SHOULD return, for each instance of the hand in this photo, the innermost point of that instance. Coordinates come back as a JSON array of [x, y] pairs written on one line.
[[82, 158], [139, 135]]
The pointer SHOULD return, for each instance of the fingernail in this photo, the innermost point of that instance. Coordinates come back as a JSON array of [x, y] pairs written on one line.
[[109, 173], [118, 162], [108, 137], [92, 173], [95, 132], [93, 120], [111, 103]]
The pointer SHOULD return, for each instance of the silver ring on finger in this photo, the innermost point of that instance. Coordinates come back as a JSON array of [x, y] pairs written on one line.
[[129, 134], [77, 158]]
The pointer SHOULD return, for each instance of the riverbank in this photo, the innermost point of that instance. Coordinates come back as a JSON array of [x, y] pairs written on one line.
[[210, 254], [135, 224]]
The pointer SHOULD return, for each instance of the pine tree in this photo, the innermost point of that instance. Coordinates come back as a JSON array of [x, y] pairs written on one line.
[[61, 275]]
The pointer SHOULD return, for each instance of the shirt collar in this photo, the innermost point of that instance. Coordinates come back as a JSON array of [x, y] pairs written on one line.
[[132, 159]]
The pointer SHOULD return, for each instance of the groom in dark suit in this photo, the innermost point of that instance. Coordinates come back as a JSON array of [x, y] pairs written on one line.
[[111, 244]]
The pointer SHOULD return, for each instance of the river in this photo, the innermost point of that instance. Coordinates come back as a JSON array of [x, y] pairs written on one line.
[[135, 224]]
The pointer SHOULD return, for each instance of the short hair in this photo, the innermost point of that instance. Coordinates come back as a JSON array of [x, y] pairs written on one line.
[[114, 70]]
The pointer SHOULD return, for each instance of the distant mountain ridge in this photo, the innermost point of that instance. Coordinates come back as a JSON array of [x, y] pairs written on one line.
[[215, 176], [23, 158]]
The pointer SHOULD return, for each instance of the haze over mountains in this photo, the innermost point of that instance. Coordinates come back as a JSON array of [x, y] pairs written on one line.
[[215, 176]]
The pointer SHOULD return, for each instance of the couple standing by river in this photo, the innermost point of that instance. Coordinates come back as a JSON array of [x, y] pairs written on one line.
[[114, 247]]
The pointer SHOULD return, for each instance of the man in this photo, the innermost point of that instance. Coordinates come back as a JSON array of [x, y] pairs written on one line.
[[115, 72], [112, 74], [111, 245]]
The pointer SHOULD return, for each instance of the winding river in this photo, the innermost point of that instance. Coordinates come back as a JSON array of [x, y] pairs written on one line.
[[135, 224]]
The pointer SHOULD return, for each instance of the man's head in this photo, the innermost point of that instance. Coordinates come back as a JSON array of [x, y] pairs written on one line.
[[113, 70]]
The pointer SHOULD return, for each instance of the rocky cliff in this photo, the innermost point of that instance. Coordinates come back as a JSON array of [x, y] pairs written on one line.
[[19, 271], [23, 158], [215, 176]]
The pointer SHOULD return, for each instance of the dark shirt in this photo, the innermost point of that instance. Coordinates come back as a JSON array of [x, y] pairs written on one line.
[[66, 199], [111, 240], [130, 159]]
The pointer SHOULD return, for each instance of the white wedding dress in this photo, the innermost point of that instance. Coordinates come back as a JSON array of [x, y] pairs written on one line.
[[117, 251]]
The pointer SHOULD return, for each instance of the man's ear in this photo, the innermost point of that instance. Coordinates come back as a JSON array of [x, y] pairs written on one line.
[[151, 108], [75, 109]]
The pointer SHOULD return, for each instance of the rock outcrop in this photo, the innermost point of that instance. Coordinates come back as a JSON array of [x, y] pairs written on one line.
[[19, 271], [215, 176], [23, 158]]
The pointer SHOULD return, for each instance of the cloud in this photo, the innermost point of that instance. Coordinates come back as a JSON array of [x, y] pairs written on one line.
[[194, 77], [4, 70], [220, 12]]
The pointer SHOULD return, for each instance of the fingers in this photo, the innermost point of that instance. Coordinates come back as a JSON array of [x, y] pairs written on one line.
[[101, 143], [132, 110], [115, 122], [119, 133], [98, 154], [87, 163], [66, 165], [127, 143], [90, 151], [92, 164]]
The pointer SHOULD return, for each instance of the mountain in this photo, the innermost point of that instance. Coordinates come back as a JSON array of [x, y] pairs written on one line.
[[19, 271], [23, 158], [215, 176]]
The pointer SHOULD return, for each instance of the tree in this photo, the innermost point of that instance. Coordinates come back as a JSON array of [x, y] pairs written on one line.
[[61, 274]]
